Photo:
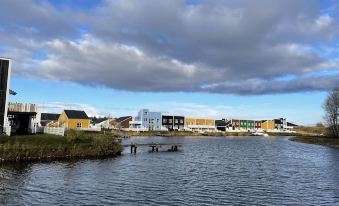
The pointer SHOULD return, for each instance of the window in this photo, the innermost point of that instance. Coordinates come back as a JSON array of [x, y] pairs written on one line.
[[182, 121], [176, 121], [170, 121], [157, 120], [145, 119], [145, 113], [79, 125], [164, 121]]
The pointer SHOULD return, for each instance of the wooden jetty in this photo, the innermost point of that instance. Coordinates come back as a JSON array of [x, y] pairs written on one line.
[[173, 147]]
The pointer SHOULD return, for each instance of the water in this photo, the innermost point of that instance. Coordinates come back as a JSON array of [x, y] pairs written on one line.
[[207, 171]]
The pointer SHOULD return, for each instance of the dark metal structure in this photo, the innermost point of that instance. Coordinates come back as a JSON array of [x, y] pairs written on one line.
[[4, 75]]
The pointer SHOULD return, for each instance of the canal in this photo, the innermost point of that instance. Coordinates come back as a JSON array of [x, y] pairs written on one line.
[[205, 171]]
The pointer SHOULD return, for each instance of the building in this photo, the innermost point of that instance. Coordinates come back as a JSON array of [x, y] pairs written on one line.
[[5, 73], [222, 125], [49, 119], [73, 119], [23, 118], [136, 126], [280, 124], [173, 123], [257, 125], [267, 125], [123, 122], [200, 125], [149, 119], [235, 124]]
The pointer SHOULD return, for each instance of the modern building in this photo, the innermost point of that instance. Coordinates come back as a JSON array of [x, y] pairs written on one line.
[[49, 119], [150, 120], [5, 73], [200, 125], [280, 124], [73, 119], [173, 123], [23, 118]]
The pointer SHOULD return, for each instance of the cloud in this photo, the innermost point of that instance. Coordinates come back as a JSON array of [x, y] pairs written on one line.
[[239, 47]]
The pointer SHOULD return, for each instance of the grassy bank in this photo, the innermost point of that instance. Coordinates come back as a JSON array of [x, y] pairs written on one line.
[[48, 147], [326, 141]]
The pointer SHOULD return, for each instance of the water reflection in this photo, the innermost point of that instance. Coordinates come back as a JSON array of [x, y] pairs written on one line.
[[207, 171]]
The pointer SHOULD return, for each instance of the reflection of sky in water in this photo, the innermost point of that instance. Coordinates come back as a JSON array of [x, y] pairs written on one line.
[[206, 170]]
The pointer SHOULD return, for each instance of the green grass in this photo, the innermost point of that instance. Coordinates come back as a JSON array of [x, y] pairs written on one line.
[[43, 146], [327, 141]]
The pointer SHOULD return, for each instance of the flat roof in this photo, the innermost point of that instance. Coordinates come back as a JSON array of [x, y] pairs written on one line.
[[5, 58], [21, 113]]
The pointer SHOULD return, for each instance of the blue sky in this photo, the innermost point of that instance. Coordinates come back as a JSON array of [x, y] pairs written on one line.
[[216, 59]]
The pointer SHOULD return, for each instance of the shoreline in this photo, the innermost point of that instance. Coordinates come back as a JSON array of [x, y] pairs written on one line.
[[317, 140], [193, 134]]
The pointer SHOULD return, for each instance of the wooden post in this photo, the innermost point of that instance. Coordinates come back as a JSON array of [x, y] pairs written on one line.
[[131, 148], [157, 149], [135, 149]]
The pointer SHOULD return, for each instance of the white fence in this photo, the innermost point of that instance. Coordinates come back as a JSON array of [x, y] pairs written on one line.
[[93, 129], [54, 130]]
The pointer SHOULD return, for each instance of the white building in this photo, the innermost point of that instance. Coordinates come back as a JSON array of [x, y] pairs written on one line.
[[148, 120]]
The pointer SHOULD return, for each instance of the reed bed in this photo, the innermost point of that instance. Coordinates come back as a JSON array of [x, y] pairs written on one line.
[[45, 147]]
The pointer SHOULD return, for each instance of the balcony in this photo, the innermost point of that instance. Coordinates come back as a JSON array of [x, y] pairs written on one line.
[[21, 107]]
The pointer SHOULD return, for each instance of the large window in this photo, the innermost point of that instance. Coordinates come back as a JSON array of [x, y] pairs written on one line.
[[79, 125]]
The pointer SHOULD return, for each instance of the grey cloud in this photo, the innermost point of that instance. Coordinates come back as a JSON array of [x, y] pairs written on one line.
[[35, 19], [235, 46]]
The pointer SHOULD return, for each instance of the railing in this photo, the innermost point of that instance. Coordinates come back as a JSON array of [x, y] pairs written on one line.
[[21, 107]]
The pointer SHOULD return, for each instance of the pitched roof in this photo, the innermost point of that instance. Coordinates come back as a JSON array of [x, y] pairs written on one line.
[[121, 119], [49, 116], [74, 114], [291, 124]]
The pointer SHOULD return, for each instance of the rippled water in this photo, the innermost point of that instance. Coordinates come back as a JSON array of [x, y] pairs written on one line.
[[207, 171]]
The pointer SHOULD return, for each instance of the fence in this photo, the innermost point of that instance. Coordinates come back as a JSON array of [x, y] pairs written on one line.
[[54, 130]]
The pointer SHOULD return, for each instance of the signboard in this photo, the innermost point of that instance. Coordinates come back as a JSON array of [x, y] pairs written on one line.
[[5, 69]]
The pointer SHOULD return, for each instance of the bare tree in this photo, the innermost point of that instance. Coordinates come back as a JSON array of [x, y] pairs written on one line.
[[331, 107]]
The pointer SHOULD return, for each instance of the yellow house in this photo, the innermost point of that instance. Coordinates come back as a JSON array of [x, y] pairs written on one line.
[[73, 119], [267, 125], [200, 125]]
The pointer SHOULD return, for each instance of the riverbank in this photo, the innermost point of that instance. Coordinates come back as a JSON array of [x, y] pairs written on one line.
[[193, 134], [50, 147], [319, 140]]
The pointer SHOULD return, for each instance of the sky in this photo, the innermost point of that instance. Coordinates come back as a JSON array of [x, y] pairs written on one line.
[[215, 59]]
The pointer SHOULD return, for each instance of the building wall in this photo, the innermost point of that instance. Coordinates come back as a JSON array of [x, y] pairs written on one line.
[[235, 124], [125, 123], [72, 123], [193, 121], [168, 122], [267, 124], [257, 124], [243, 124], [250, 124], [179, 122]]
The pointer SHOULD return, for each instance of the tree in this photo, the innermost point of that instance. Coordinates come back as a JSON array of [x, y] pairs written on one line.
[[331, 107]]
